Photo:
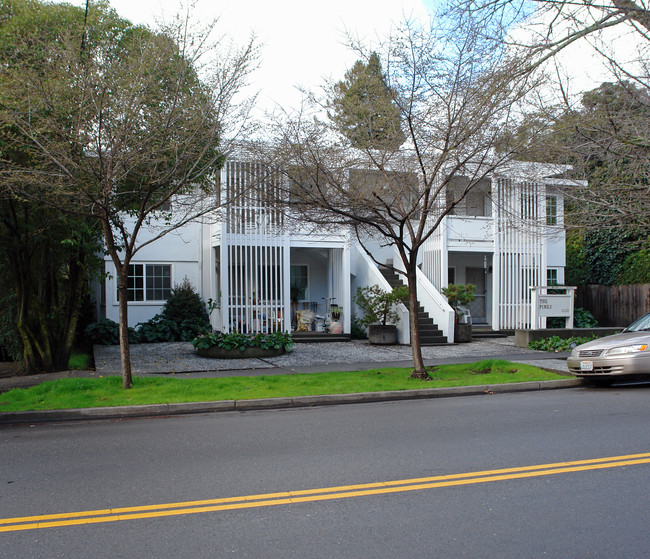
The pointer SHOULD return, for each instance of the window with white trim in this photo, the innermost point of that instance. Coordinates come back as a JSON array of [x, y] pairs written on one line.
[[551, 276], [551, 210], [149, 282]]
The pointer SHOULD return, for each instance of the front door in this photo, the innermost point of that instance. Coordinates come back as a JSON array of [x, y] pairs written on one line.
[[477, 307]]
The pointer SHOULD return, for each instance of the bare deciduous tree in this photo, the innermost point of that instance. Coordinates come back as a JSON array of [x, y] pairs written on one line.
[[604, 134], [454, 94]]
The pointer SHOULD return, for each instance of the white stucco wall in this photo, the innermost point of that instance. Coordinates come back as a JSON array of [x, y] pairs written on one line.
[[181, 249]]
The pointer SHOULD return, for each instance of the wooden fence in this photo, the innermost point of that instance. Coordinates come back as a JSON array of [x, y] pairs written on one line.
[[614, 305]]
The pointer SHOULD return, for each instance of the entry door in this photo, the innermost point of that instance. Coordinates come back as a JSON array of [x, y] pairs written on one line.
[[477, 306]]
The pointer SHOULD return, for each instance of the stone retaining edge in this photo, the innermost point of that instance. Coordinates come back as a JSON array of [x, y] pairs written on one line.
[[151, 410]]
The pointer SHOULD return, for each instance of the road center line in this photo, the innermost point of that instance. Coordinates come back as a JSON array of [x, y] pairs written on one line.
[[310, 495]]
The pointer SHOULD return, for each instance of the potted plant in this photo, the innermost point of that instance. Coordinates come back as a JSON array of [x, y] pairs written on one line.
[[335, 326], [458, 295], [380, 315]]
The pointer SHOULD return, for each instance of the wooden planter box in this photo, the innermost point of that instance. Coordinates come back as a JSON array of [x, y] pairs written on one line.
[[247, 353]]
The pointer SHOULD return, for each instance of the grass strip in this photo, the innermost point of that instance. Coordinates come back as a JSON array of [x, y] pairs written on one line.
[[100, 392]]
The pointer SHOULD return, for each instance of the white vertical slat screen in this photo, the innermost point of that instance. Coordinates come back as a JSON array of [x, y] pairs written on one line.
[[255, 297], [519, 249]]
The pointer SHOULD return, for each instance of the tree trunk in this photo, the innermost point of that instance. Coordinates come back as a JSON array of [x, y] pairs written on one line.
[[419, 370], [73, 297], [125, 353]]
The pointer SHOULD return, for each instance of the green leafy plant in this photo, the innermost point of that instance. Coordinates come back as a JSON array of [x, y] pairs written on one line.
[[378, 305], [582, 318], [192, 327], [357, 330], [238, 340], [458, 295], [158, 329], [636, 268], [106, 332], [555, 343]]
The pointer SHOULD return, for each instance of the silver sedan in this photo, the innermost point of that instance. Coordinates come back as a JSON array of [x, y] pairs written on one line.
[[619, 356]]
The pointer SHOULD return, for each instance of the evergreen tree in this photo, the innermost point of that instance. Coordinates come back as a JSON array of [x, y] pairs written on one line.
[[365, 108]]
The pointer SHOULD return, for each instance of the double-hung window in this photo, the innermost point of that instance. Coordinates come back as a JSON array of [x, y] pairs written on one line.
[[551, 210], [149, 282]]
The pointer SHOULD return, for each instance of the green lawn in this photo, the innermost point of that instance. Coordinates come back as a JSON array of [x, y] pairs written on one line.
[[96, 392]]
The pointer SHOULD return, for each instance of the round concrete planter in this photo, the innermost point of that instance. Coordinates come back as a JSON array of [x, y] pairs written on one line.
[[247, 353], [382, 334]]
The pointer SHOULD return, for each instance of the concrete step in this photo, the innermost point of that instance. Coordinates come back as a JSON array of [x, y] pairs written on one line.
[[486, 332], [438, 340], [319, 337]]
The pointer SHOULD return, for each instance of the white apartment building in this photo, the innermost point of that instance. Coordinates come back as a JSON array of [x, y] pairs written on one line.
[[506, 236]]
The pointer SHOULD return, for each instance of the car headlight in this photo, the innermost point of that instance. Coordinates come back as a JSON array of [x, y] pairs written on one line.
[[627, 349], [575, 352]]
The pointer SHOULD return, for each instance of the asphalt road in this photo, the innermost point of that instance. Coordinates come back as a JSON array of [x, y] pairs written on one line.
[[563, 491]]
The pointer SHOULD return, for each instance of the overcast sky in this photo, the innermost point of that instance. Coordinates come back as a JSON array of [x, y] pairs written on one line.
[[301, 40]]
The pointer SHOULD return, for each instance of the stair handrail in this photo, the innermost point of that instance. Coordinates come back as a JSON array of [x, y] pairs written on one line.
[[432, 300], [376, 277]]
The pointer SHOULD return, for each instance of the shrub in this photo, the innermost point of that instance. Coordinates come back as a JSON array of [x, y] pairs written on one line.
[[378, 305], [237, 340], [555, 343], [106, 332], [192, 327], [636, 268], [158, 329], [184, 304], [458, 295], [357, 330], [582, 318]]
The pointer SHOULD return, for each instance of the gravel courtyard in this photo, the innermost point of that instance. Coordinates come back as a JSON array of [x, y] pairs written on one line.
[[180, 357]]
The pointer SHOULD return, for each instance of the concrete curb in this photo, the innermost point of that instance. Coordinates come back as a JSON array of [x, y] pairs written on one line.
[[152, 410]]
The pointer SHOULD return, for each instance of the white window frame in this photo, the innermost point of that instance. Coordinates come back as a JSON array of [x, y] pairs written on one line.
[[552, 218], [145, 288]]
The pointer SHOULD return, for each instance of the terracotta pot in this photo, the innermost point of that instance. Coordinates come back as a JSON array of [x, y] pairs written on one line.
[[336, 328], [380, 334]]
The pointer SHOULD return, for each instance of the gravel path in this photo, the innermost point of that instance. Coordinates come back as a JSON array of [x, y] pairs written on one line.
[[180, 357]]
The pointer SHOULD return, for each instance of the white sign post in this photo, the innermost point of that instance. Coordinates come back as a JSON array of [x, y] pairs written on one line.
[[557, 303]]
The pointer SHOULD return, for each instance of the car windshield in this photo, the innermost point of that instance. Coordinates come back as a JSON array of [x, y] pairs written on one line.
[[642, 323]]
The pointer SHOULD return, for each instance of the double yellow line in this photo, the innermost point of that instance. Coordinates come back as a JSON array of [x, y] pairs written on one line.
[[322, 494]]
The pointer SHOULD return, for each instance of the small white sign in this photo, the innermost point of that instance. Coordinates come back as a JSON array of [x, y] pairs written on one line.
[[554, 305]]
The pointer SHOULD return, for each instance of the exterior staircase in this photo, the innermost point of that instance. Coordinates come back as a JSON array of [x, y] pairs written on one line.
[[430, 334]]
